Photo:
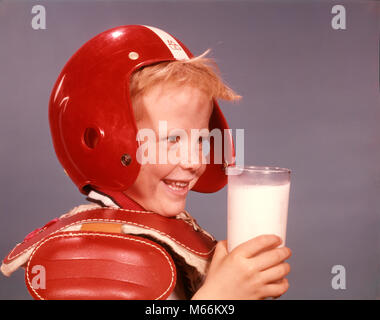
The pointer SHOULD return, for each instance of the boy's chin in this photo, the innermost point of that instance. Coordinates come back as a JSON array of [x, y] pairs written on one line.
[[171, 209]]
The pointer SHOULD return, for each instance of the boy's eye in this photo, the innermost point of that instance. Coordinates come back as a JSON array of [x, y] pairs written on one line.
[[202, 140], [174, 139]]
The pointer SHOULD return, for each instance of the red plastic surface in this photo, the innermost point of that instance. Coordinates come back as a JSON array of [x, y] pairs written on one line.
[[94, 265]]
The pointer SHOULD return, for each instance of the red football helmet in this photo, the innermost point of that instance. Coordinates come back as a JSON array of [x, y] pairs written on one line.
[[91, 116]]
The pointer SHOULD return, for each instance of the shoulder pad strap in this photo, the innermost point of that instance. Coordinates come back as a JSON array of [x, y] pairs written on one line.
[[98, 265], [182, 232]]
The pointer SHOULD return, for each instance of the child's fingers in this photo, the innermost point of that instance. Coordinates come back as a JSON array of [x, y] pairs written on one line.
[[257, 245], [276, 273], [271, 258], [276, 289]]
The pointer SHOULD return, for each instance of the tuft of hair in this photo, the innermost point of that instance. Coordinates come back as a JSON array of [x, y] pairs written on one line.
[[200, 72]]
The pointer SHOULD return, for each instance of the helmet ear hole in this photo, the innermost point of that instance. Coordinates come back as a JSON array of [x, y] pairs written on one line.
[[91, 137]]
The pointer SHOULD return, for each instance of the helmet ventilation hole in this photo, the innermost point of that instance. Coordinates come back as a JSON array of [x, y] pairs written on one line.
[[91, 137]]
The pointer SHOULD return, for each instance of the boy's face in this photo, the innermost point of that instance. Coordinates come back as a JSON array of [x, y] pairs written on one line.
[[163, 188]]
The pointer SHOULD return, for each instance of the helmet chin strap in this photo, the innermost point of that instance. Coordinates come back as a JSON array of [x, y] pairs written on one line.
[[114, 199]]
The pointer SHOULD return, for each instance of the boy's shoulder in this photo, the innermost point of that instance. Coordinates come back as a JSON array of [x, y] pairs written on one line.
[[97, 252]]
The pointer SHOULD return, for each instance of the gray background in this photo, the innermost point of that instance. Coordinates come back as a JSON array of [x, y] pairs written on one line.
[[311, 103]]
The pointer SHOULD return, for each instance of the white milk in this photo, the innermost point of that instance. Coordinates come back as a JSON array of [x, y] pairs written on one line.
[[255, 210]]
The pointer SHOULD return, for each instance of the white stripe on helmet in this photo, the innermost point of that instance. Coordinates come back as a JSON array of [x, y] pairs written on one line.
[[172, 44]]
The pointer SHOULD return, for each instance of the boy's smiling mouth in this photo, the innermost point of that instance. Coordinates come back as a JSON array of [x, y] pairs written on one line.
[[179, 187]]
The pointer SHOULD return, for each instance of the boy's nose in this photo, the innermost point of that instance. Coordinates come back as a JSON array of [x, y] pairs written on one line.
[[190, 165], [193, 161]]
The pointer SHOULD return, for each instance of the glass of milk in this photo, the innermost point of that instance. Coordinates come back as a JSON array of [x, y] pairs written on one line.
[[258, 200]]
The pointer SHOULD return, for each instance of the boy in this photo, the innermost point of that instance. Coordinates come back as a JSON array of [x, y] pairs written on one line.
[[136, 241]]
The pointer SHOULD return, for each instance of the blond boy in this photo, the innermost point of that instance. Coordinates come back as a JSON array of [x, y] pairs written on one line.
[[122, 82]]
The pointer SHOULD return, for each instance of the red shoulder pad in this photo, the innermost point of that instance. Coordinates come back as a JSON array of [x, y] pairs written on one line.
[[97, 265]]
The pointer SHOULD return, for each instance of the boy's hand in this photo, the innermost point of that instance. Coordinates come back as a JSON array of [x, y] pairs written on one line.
[[253, 270]]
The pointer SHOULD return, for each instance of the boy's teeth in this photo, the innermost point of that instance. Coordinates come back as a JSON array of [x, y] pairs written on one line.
[[176, 185]]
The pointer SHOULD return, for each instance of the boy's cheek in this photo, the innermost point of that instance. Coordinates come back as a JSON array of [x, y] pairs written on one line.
[[202, 169]]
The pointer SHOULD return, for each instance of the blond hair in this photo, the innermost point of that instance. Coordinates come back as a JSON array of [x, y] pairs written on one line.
[[199, 72]]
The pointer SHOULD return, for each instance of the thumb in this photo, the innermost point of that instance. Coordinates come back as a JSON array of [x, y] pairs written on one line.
[[220, 252]]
